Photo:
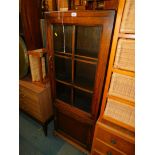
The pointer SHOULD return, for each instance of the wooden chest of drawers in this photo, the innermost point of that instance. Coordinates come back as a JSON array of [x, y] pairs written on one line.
[[35, 100], [111, 141]]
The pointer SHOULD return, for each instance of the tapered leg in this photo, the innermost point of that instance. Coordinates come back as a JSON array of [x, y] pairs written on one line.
[[45, 129]]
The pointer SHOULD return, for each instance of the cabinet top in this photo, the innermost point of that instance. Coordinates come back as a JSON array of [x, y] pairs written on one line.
[[79, 13], [30, 85]]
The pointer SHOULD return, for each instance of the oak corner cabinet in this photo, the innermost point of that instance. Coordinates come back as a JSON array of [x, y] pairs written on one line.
[[78, 46]]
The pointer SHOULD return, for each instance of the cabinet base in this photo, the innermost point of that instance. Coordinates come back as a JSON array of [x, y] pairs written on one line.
[[70, 141]]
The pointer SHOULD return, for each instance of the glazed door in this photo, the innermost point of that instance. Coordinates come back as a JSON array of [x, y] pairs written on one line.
[[79, 47]]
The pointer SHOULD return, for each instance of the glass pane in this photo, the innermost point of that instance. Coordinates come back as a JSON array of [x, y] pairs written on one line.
[[85, 75], [88, 40], [82, 100], [63, 69], [63, 92], [62, 41]]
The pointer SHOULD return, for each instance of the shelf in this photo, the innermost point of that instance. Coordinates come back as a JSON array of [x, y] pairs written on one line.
[[121, 100], [77, 57], [126, 36], [124, 72], [87, 90], [86, 61], [86, 58], [66, 56], [57, 53], [86, 53]]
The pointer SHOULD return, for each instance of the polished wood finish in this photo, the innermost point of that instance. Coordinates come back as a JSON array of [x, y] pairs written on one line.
[[112, 136], [74, 122], [109, 139], [30, 17], [35, 100]]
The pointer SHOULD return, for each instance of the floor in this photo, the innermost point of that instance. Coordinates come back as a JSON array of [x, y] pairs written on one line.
[[33, 142]]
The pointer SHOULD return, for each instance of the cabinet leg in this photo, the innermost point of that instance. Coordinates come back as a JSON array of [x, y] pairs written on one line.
[[45, 129]]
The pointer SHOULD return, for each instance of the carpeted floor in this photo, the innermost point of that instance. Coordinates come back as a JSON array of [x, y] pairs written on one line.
[[32, 140]]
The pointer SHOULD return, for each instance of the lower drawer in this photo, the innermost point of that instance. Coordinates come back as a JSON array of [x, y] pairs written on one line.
[[114, 140], [105, 149]]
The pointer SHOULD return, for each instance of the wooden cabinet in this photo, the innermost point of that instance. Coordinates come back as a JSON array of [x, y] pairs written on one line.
[[78, 44], [118, 103], [35, 101]]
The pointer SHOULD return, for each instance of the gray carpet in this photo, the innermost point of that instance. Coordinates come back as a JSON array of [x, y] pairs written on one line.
[[32, 140]]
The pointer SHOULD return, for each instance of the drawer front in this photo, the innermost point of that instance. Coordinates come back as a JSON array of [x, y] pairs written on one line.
[[105, 149], [27, 93], [115, 141], [30, 108], [29, 102]]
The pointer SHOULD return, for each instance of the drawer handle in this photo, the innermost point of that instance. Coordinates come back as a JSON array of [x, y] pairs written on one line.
[[109, 153], [113, 141]]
